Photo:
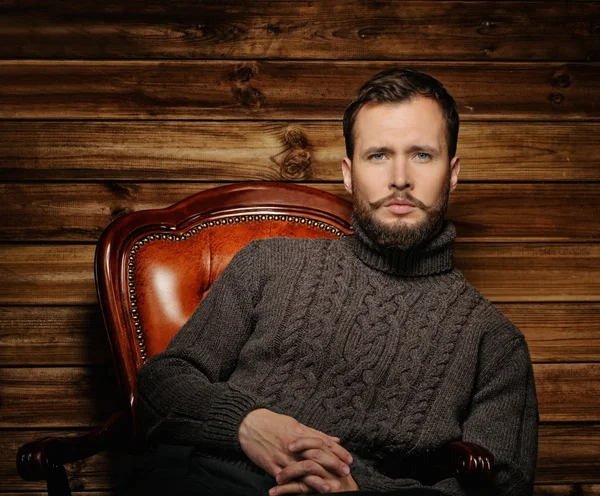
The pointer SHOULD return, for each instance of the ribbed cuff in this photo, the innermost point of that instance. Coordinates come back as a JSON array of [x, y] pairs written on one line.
[[224, 417]]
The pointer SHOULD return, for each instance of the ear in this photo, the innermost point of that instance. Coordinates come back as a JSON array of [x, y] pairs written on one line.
[[454, 170], [347, 173]]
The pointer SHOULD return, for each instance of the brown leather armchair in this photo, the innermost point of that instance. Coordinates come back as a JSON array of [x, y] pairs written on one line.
[[153, 267]]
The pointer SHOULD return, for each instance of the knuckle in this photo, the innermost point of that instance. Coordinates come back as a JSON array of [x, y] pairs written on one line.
[[316, 454]]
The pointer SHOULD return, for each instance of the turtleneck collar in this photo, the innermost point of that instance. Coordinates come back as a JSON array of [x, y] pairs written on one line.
[[432, 257]]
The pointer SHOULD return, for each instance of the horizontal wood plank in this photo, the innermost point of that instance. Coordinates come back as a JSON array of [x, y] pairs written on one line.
[[568, 454], [53, 336], [216, 90], [567, 490], [84, 396], [75, 335], [563, 332], [58, 396], [568, 392], [273, 150], [481, 212], [285, 29], [532, 272], [97, 473], [503, 272]]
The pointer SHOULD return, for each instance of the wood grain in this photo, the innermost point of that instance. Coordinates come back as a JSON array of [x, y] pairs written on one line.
[[504, 272], [273, 150], [286, 29], [563, 332], [532, 272], [481, 212], [58, 396], [568, 392], [75, 335], [215, 90], [53, 336], [47, 274], [568, 454], [567, 490], [84, 396]]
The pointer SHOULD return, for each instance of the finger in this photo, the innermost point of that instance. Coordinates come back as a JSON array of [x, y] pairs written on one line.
[[296, 487], [315, 450], [299, 470], [307, 443], [310, 484], [342, 453], [324, 436]]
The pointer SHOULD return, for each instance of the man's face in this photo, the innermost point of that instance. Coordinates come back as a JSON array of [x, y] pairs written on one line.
[[400, 175]]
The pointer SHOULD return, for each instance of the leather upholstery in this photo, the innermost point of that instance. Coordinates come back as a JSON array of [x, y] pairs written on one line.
[[172, 277], [153, 267]]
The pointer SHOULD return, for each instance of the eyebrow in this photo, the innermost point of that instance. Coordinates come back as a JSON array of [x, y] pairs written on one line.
[[424, 148], [378, 149]]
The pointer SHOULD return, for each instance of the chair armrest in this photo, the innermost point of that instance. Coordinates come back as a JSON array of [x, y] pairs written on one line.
[[469, 462], [42, 458]]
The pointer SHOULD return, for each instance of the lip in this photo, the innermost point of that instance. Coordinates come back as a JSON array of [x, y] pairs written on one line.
[[400, 207]]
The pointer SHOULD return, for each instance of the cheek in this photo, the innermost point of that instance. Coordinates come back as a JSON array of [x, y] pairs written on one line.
[[371, 186], [431, 188]]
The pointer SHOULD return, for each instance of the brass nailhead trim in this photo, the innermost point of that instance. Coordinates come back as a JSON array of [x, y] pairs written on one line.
[[169, 237]]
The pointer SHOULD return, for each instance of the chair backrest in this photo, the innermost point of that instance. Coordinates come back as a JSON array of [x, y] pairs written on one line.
[[153, 267]]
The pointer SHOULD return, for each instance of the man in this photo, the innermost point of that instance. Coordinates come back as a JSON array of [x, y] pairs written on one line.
[[312, 363]]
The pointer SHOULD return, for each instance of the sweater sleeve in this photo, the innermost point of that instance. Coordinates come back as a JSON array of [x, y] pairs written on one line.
[[503, 418], [183, 393]]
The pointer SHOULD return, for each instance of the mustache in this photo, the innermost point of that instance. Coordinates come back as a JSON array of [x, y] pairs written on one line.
[[405, 196]]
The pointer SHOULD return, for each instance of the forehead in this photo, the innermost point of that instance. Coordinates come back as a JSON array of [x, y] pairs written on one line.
[[417, 121]]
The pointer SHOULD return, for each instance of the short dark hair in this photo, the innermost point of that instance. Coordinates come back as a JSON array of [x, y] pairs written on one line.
[[397, 86]]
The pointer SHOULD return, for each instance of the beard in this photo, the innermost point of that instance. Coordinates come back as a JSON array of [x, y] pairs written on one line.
[[399, 234]]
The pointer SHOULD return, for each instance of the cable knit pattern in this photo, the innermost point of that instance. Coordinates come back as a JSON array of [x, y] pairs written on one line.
[[390, 350]]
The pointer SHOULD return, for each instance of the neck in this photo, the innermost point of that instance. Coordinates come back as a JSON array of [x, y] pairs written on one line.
[[434, 256]]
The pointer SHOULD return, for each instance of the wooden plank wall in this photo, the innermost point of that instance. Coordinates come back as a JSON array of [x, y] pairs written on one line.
[[109, 107]]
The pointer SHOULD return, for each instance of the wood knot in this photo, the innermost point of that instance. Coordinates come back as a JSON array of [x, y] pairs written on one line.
[[297, 158], [296, 164], [246, 94], [486, 27], [117, 212], [556, 98], [244, 74], [249, 97], [561, 79], [488, 51], [125, 191], [274, 29], [294, 138]]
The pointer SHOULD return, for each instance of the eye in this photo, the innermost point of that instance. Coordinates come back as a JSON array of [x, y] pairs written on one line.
[[377, 157], [422, 156]]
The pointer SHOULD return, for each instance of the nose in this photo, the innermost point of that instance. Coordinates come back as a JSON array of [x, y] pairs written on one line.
[[400, 177]]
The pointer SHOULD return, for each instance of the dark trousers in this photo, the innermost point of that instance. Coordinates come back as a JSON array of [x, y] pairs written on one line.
[[183, 471]]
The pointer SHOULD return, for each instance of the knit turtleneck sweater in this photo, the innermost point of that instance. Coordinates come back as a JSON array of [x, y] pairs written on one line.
[[390, 350]]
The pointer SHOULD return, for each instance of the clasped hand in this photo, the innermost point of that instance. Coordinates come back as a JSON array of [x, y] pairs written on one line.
[[300, 458]]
